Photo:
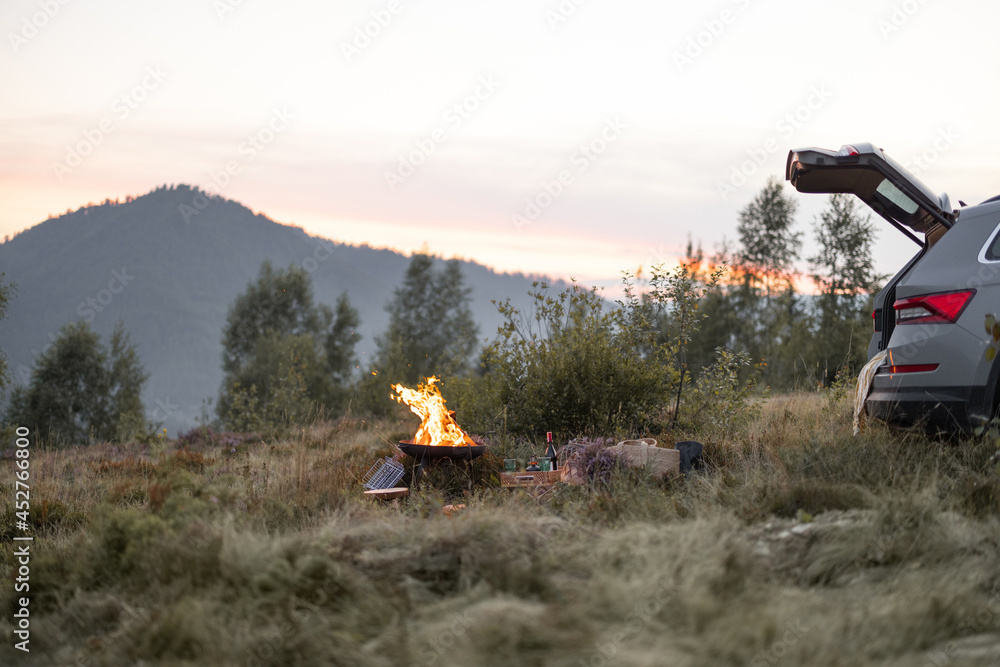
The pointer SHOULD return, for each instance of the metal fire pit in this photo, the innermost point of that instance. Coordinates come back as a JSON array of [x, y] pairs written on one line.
[[421, 452], [425, 454]]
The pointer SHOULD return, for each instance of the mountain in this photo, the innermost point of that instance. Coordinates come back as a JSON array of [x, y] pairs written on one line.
[[168, 264]]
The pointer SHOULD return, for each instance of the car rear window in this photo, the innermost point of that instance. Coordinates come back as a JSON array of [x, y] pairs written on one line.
[[896, 196], [992, 253]]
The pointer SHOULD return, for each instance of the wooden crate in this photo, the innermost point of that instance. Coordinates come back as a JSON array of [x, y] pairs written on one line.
[[389, 494], [511, 480]]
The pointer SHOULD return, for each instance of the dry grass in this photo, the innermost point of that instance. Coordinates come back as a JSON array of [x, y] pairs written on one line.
[[800, 545]]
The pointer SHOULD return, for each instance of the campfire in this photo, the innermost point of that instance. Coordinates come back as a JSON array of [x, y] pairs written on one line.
[[438, 427], [439, 435]]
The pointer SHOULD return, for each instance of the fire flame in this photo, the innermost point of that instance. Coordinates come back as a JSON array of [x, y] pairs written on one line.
[[437, 427]]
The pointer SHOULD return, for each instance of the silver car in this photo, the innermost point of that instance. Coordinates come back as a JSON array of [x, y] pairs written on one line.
[[938, 318]]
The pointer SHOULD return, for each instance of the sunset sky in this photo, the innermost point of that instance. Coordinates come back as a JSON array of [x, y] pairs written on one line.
[[577, 138]]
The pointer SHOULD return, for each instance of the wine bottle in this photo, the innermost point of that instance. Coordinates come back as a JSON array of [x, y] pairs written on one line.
[[551, 450]]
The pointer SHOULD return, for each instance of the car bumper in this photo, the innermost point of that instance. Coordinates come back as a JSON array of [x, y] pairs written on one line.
[[934, 407]]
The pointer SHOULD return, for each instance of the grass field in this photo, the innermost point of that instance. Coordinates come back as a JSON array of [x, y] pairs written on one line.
[[799, 545]]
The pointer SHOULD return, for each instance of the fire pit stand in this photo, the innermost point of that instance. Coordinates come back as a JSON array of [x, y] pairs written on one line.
[[427, 455]]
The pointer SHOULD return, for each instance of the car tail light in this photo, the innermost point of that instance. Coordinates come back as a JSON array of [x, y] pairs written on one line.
[[943, 307], [913, 368], [847, 155]]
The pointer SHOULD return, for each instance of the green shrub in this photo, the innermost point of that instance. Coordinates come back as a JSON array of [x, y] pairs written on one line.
[[573, 365], [579, 365], [721, 398]]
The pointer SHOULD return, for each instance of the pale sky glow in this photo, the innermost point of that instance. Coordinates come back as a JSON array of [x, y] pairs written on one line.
[[308, 119]]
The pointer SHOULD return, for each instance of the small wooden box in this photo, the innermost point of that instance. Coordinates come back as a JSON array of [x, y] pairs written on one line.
[[510, 480], [389, 494]]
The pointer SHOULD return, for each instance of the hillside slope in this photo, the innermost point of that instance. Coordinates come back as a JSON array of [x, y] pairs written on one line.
[[168, 264]]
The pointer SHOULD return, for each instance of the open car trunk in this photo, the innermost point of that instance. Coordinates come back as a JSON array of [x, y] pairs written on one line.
[[891, 191], [866, 171]]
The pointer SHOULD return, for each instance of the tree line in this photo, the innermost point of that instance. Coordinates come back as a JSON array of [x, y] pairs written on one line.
[[682, 344], [803, 340]]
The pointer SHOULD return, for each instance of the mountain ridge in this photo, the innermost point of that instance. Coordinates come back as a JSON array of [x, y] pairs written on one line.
[[170, 275]]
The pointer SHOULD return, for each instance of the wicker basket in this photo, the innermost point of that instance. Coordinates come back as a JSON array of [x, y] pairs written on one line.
[[659, 461]]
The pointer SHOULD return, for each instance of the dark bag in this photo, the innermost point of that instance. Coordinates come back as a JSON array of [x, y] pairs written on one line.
[[690, 455]]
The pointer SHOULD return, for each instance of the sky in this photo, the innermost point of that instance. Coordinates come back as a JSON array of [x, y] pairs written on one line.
[[575, 138]]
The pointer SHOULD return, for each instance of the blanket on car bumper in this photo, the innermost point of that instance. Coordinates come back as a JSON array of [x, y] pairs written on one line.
[[865, 378]]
